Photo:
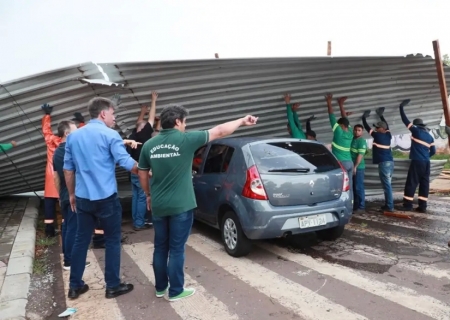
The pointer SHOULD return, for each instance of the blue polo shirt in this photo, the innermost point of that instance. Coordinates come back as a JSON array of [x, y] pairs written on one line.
[[93, 152]]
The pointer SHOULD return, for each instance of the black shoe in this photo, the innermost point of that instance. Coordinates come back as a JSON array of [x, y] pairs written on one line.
[[420, 210], [407, 209], [144, 227], [75, 293], [123, 288]]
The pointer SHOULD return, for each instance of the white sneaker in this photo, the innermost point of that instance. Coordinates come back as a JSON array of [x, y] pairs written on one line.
[[67, 268]]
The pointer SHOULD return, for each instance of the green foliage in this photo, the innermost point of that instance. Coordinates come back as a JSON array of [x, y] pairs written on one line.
[[446, 60]]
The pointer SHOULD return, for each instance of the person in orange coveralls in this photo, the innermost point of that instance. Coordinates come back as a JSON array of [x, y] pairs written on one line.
[[50, 193]]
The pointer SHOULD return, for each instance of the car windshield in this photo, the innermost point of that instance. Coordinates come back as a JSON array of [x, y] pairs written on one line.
[[293, 157]]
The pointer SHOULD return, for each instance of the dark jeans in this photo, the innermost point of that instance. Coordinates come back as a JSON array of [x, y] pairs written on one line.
[[69, 230], [138, 202], [418, 174], [385, 171], [109, 212], [50, 215], [171, 234], [358, 190]]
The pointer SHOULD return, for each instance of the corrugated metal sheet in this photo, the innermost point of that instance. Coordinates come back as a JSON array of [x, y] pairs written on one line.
[[214, 91]]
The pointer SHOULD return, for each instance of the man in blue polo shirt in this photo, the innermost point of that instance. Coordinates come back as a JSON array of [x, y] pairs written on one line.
[[92, 153], [382, 155]]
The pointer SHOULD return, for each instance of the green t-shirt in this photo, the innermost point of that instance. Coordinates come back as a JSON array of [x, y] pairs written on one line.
[[5, 147], [359, 146], [342, 140], [169, 155]]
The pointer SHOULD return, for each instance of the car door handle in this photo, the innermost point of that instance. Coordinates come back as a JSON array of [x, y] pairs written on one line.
[[217, 187]]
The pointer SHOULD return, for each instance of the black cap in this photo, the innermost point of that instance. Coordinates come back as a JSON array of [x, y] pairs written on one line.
[[419, 122]]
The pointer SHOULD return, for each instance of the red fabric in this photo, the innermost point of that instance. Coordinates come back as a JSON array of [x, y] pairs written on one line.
[[52, 141]]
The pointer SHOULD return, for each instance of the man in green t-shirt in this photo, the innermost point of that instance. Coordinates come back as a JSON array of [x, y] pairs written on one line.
[[169, 155], [294, 126], [358, 150], [342, 136]]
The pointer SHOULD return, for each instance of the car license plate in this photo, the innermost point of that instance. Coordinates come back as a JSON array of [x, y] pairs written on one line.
[[312, 221]]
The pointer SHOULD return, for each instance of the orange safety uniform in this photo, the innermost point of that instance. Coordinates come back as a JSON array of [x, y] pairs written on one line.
[[52, 141]]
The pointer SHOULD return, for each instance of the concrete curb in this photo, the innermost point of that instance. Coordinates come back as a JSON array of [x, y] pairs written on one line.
[[14, 292]]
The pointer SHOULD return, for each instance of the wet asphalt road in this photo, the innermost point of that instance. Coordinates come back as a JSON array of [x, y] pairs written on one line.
[[382, 268]]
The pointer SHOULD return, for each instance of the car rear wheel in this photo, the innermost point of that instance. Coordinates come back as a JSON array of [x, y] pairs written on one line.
[[235, 242], [331, 234]]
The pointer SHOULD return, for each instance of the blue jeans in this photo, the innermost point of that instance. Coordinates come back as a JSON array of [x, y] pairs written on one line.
[[171, 234], [358, 190], [138, 202], [69, 230], [385, 171], [348, 166], [109, 212]]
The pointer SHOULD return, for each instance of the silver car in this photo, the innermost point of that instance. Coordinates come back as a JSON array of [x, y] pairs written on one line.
[[257, 188]]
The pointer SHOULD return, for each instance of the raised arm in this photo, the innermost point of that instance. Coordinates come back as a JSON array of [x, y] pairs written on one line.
[[308, 123], [380, 112], [50, 138], [152, 113], [341, 102], [405, 120], [227, 128], [364, 121], [333, 122]]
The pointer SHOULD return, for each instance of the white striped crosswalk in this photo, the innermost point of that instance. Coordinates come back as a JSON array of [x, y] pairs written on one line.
[[412, 289]]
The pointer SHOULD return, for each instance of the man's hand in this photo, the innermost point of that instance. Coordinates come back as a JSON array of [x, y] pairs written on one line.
[[348, 114], [287, 98], [154, 95], [311, 118], [78, 116], [47, 108], [295, 106], [341, 100], [354, 171], [14, 144], [150, 174], [366, 114], [380, 111], [133, 144], [404, 102], [328, 98], [149, 203], [72, 201], [249, 120]]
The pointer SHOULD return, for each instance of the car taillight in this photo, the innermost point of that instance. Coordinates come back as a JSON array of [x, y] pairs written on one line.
[[253, 187], [346, 184]]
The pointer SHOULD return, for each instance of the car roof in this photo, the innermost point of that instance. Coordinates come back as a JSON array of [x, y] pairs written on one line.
[[242, 141]]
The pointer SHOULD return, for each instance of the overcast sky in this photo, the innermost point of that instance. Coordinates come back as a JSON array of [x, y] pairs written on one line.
[[40, 35]]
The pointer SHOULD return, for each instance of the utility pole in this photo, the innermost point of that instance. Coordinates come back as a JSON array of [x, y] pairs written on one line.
[[442, 83], [329, 49]]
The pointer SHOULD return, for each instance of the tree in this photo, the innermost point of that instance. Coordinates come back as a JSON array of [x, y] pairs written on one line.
[[446, 60]]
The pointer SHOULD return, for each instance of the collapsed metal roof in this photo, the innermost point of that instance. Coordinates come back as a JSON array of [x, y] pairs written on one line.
[[214, 91]]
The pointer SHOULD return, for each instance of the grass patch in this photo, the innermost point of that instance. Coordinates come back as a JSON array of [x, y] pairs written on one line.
[[40, 265]]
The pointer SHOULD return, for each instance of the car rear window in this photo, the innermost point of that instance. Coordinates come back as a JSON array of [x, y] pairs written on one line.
[[292, 155]]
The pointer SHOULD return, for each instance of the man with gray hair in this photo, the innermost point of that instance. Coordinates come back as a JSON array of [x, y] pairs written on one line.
[[169, 155], [91, 156]]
